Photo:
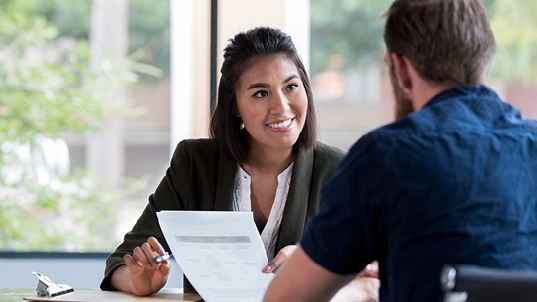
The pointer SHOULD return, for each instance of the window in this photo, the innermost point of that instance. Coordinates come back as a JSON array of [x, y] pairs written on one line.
[[80, 146], [50, 101], [349, 78]]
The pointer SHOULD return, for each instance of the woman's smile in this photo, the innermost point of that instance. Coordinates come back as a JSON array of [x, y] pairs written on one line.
[[283, 125]]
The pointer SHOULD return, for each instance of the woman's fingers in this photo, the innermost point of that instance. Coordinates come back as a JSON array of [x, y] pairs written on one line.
[[129, 260], [165, 267], [150, 254], [146, 274], [371, 270], [280, 258], [140, 255], [156, 246], [145, 255]]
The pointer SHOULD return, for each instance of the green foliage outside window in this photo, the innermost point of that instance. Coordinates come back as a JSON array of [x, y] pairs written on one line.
[[48, 88], [149, 29], [514, 24], [350, 28], [353, 29]]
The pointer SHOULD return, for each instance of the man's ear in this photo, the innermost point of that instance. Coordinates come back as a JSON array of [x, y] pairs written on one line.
[[401, 68]]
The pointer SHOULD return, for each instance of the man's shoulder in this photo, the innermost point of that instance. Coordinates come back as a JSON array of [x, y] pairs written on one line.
[[395, 130], [391, 140]]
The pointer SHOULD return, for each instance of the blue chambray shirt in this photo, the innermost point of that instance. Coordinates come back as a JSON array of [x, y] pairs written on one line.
[[454, 183]]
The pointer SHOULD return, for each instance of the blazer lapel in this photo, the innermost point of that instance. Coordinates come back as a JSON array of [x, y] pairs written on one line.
[[225, 184], [296, 206]]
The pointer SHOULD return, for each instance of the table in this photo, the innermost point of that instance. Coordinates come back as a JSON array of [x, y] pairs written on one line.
[[86, 295]]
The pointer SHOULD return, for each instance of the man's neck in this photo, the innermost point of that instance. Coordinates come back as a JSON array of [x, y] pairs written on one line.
[[426, 91]]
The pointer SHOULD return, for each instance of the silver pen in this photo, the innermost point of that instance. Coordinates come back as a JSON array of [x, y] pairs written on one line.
[[162, 258]]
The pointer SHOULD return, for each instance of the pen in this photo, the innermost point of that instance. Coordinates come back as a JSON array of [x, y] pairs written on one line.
[[162, 258]]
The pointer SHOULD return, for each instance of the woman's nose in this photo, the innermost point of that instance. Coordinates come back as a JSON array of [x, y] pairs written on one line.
[[279, 104]]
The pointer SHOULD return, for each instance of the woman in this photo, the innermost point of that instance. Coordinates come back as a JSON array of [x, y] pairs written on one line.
[[262, 157]]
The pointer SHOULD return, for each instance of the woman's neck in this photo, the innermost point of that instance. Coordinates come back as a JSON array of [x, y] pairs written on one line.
[[273, 161]]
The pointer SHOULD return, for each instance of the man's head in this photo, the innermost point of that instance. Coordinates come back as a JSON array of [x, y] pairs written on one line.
[[444, 40], [403, 104]]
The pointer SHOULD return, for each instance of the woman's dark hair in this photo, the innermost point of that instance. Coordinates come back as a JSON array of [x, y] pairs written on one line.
[[242, 51]]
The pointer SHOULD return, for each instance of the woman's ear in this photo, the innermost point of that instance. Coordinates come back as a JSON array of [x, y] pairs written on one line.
[[401, 68]]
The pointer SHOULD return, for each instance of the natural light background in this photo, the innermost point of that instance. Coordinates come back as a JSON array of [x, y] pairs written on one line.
[[85, 133]]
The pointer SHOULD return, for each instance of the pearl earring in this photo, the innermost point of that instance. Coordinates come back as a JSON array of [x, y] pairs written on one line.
[[241, 126]]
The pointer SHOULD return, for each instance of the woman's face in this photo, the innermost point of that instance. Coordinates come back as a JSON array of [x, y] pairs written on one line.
[[272, 103]]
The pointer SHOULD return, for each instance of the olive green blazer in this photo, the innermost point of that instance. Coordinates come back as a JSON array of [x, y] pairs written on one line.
[[201, 178]]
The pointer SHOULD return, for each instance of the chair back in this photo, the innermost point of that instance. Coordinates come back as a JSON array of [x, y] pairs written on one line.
[[470, 283]]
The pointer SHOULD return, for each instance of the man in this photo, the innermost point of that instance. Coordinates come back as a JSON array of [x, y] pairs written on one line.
[[454, 182]]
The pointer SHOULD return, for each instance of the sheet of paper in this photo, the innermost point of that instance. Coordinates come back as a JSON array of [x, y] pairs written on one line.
[[221, 253]]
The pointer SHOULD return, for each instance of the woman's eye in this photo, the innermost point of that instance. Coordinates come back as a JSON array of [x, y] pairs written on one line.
[[260, 94], [292, 86]]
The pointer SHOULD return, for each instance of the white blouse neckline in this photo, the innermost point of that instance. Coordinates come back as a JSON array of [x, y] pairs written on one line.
[[243, 202]]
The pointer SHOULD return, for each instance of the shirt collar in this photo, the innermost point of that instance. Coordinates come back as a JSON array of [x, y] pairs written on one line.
[[459, 91]]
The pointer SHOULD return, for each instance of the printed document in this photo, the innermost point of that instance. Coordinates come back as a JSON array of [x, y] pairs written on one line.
[[221, 253]]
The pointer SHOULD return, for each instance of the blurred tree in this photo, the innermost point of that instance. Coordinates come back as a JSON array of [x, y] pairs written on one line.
[[47, 88], [353, 29], [514, 24], [36, 79], [70, 17], [349, 28], [149, 38]]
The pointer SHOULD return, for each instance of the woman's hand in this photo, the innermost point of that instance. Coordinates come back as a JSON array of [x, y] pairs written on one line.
[[280, 258], [363, 288], [371, 270], [142, 276]]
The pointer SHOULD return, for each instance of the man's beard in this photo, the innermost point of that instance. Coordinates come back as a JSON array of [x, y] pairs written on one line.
[[403, 105]]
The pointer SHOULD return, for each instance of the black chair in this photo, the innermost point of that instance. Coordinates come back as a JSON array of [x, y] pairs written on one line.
[[470, 283]]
